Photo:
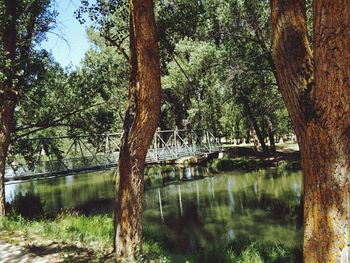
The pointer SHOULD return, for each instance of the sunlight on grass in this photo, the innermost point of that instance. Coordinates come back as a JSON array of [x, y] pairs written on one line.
[[95, 233]]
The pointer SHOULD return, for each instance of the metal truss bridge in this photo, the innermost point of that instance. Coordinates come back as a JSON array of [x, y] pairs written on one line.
[[64, 155]]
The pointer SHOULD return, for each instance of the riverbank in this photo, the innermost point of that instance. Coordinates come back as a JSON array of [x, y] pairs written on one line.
[[245, 158], [71, 237], [284, 152]]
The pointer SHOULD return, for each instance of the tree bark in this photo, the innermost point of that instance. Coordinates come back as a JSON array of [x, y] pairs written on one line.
[[140, 123], [8, 96], [317, 95], [6, 120]]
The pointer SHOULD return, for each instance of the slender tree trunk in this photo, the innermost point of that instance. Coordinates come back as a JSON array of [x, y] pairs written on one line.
[[8, 96], [271, 136], [254, 123], [140, 124], [6, 120], [255, 140], [319, 107]]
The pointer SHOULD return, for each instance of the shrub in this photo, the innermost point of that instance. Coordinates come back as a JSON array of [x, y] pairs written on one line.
[[225, 164], [289, 166]]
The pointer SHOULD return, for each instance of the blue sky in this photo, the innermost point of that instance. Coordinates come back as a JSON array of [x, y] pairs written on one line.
[[68, 42]]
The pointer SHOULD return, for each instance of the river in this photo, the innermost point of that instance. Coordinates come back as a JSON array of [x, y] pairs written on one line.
[[191, 206]]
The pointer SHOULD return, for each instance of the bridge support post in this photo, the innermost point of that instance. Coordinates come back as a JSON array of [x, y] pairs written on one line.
[[107, 150], [191, 138], [156, 144], [208, 140], [107, 144], [175, 142]]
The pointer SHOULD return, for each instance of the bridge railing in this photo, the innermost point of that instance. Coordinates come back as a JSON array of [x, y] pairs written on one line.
[[57, 155]]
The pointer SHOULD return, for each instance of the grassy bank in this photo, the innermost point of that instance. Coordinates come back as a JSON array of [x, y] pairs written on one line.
[[78, 238], [286, 158], [252, 163]]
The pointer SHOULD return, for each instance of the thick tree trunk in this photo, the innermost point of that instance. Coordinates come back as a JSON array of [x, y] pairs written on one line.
[[140, 124], [320, 113], [326, 195]]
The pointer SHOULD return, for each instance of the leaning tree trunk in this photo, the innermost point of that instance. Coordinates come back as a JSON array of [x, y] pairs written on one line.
[[140, 124], [253, 121], [8, 96], [319, 105]]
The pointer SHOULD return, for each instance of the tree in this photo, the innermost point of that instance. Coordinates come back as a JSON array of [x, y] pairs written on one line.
[[244, 30], [191, 86], [7, 94], [58, 102], [315, 88], [22, 23], [219, 53], [140, 123]]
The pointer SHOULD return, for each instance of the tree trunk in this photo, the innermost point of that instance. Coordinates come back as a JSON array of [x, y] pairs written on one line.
[[6, 120], [326, 195], [271, 136], [319, 107], [140, 124], [254, 123], [255, 139], [8, 96]]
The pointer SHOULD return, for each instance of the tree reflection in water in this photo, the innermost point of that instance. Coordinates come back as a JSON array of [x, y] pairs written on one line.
[[191, 207]]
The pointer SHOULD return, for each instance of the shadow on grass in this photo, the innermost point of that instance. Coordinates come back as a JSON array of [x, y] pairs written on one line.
[[68, 253], [242, 250]]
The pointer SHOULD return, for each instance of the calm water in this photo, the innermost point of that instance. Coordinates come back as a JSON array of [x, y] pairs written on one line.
[[190, 206]]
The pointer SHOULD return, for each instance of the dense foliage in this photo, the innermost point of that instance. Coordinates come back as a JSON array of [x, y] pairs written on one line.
[[217, 67], [217, 74]]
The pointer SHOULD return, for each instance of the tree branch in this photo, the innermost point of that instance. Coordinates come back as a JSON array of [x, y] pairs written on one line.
[[118, 46], [54, 123]]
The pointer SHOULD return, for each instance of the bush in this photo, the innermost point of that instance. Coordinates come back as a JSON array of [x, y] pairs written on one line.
[[225, 164], [289, 166]]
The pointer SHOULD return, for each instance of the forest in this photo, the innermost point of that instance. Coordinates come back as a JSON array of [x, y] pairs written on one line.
[[246, 71]]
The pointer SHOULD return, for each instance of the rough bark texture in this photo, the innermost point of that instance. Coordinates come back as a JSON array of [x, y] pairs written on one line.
[[7, 94], [140, 124], [317, 95]]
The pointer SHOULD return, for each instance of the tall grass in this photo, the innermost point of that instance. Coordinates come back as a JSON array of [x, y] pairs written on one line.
[[93, 232]]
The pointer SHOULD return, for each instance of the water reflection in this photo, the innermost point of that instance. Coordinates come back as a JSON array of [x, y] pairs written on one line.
[[189, 206], [260, 205]]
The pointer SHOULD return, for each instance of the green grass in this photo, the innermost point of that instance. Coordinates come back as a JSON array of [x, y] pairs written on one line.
[[95, 233]]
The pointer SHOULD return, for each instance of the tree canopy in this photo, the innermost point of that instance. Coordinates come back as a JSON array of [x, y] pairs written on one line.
[[219, 71]]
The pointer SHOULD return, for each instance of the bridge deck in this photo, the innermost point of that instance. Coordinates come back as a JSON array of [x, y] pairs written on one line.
[[82, 154]]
